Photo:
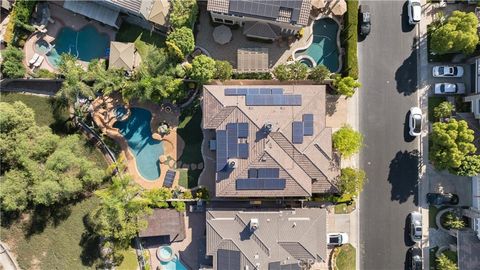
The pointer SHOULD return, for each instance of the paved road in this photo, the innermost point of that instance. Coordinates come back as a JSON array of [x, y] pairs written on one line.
[[388, 67]]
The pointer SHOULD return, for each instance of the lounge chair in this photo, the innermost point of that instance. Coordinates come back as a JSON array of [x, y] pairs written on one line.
[[34, 59], [38, 62]]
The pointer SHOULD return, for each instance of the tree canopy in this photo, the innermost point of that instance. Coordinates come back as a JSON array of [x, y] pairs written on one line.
[[40, 168], [444, 263], [319, 73], [223, 70], [347, 141], [351, 181], [12, 65], [291, 71], [203, 69], [181, 42], [73, 84], [443, 110], [346, 85], [457, 35], [450, 144], [183, 13]]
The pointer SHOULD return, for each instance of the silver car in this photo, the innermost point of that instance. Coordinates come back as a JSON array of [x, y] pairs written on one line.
[[447, 71], [415, 121], [449, 88], [416, 226]]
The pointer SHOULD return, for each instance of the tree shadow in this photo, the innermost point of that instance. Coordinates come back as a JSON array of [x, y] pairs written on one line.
[[406, 75], [42, 216], [331, 106], [63, 123], [406, 26], [403, 176], [406, 129], [90, 243]]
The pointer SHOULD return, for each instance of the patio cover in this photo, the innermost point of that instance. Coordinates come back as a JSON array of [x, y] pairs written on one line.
[[318, 3], [338, 7], [159, 12], [94, 11], [222, 34], [123, 55], [252, 60], [165, 222]]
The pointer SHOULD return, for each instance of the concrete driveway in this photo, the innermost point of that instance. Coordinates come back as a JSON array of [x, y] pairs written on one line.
[[442, 181]]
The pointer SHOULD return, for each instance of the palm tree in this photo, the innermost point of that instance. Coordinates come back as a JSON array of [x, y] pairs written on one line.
[[73, 84], [106, 81]]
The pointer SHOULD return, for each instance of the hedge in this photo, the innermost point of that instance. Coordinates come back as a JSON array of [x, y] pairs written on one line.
[[252, 76], [349, 40], [18, 27]]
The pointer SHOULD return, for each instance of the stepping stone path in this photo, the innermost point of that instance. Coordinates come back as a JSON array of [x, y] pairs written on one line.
[[200, 166], [193, 166]]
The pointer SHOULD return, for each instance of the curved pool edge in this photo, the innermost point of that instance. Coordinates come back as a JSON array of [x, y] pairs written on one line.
[[319, 17]]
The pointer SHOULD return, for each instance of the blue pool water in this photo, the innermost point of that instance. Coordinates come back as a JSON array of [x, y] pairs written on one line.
[[324, 49], [86, 44], [174, 264], [136, 130]]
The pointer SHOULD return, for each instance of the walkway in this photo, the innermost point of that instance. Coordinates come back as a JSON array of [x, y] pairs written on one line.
[[6, 260]]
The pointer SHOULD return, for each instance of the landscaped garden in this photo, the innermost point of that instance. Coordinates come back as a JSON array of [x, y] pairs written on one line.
[[345, 258]]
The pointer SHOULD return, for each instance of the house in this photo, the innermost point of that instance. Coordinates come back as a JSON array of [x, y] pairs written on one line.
[[168, 224], [123, 55], [273, 240], [262, 19], [269, 141], [473, 97], [149, 14]]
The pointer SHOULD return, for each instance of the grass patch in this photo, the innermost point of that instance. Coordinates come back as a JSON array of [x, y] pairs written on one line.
[[189, 178], [349, 38], [432, 213], [58, 240], [129, 260], [345, 257], [343, 208], [432, 103], [191, 132], [130, 32]]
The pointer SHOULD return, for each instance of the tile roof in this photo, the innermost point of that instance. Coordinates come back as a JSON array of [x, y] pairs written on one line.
[[283, 237], [307, 167], [123, 55], [159, 12], [292, 11]]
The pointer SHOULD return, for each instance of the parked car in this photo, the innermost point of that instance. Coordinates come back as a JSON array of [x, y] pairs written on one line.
[[447, 71], [416, 258], [449, 88], [414, 11], [337, 239], [365, 20], [415, 121], [442, 199], [416, 226]]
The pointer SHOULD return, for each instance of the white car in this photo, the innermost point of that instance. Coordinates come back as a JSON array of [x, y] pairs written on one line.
[[449, 88], [415, 121], [447, 71], [416, 226], [337, 239], [414, 11]]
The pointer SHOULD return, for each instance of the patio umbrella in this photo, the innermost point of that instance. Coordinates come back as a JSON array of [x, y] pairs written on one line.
[[338, 7], [318, 3], [222, 34]]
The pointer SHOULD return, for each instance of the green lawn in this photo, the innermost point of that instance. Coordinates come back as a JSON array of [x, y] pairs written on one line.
[[130, 261], [432, 103], [55, 239], [191, 132], [432, 213], [343, 208], [345, 257], [130, 33], [189, 178]]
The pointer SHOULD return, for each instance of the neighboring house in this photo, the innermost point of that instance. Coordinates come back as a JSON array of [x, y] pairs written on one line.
[[167, 224], [270, 141], [149, 14], [262, 19], [263, 239], [123, 55], [473, 96]]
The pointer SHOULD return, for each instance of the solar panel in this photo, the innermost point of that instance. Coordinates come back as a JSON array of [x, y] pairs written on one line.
[[242, 130], [169, 178], [273, 100], [297, 132], [228, 259], [243, 150], [277, 91], [232, 140], [268, 173], [252, 173], [260, 184], [265, 91], [307, 124], [221, 149], [230, 91]]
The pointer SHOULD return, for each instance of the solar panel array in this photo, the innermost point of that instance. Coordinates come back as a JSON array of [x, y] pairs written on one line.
[[265, 8], [273, 100], [297, 132], [260, 184], [307, 124], [252, 91], [228, 259], [228, 145], [169, 178]]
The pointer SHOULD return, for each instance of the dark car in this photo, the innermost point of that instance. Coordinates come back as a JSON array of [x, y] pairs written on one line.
[[365, 20], [442, 199], [416, 258]]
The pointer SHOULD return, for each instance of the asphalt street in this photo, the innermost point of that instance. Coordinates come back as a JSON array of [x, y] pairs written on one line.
[[388, 73]]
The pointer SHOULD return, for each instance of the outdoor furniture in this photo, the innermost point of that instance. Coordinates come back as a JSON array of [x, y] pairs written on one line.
[[222, 34], [33, 59], [38, 62]]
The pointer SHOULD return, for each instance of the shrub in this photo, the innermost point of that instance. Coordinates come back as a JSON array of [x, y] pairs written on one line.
[[19, 22], [347, 141], [12, 66], [203, 69], [351, 181], [181, 41], [319, 73], [184, 13], [346, 85], [252, 76], [349, 40], [444, 263], [443, 110], [452, 221], [223, 70], [179, 206], [292, 71], [45, 73]]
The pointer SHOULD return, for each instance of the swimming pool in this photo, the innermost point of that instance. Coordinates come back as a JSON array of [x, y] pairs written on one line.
[[136, 130], [174, 264], [86, 44], [324, 48]]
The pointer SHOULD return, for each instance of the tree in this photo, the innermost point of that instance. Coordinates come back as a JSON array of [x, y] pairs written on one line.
[[319, 73], [223, 70], [470, 166], [158, 197], [183, 13], [179, 206], [12, 66], [291, 71], [14, 191], [453, 222], [346, 85], [450, 143], [105, 81], [351, 181], [157, 62], [121, 213], [444, 263], [457, 34], [347, 141], [73, 84], [203, 69], [181, 38], [443, 110]]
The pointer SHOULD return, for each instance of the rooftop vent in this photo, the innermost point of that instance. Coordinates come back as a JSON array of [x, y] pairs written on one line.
[[232, 164], [267, 127], [253, 224]]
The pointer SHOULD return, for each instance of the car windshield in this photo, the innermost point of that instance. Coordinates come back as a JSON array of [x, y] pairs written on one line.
[[335, 239], [366, 17], [442, 88], [441, 70], [417, 123]]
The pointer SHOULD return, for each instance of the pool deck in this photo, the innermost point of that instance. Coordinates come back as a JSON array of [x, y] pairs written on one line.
[[104, 116], [62, 18]]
